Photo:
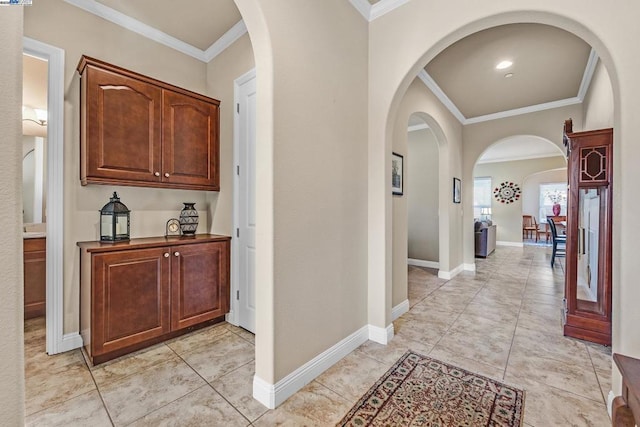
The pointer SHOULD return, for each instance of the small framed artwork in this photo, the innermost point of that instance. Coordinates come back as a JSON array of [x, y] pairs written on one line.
[[397, 174], [456, 190]]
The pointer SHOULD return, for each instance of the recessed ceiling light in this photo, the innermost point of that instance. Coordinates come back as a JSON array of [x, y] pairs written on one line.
[[508, 75], [504, 64]]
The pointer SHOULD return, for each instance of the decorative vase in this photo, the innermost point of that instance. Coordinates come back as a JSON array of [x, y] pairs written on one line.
[[188, 219], [556, 209]]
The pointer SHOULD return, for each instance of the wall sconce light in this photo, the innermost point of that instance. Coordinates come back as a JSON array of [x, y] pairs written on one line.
[[35, 115]]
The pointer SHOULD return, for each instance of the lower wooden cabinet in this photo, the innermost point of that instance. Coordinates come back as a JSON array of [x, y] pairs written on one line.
[[137, 293], [35, 277]]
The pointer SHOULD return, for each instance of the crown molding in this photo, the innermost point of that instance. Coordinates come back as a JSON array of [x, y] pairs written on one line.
[[417, 127], [524, 110], [131, 24], [588, 74], [439, 93], [362, 6], [227, 39], [383, 7]]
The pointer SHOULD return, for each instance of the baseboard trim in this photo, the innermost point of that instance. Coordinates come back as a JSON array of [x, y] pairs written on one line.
[[423, 263], [514, 244], [610, 398], [448, 275], [469, 267], [272, 395], [70, 342], [381, 335], [399, 309]]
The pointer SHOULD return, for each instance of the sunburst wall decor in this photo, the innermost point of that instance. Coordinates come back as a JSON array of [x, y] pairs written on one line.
[[507, 192]]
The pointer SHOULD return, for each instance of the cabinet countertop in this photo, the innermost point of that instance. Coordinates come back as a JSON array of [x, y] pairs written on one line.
[[150, 242]]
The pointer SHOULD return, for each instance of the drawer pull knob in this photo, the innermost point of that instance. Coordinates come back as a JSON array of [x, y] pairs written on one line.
[[157, 173], [166, 255], [166, 174], [176, 253]]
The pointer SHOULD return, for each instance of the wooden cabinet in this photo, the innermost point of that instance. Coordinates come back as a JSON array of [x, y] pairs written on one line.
[[139, 131], [140, 292], [589, 240], [35, 277]]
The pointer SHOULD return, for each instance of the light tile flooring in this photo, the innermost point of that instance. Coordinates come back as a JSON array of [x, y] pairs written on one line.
[[502, 321]]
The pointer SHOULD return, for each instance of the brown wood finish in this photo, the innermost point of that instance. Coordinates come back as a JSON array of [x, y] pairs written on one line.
[[139, 131], [146, 290], [626, 408], [589, 320], [35, 277]]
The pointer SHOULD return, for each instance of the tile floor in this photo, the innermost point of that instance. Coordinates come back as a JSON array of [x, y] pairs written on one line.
[[501, 321]]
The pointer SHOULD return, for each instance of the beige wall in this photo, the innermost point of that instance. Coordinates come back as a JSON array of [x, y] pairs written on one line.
[[508, 218], [311, 264], [11, 289], [422, 177], [78, 33], [233, 62], [598, 104], [531, 189]]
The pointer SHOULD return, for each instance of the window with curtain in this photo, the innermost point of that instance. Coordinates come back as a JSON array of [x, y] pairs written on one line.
[[481, 194], [550, 194]]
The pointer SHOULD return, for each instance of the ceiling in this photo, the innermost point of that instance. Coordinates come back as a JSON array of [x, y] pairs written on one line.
[[521, 147], [551, 67]]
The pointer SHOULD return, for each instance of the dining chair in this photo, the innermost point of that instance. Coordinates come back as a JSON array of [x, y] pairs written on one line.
[[544, 231], [529, 226], [559, 242]]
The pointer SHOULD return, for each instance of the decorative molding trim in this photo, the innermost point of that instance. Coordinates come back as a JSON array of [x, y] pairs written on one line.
[[70, 342], [399, 309], [383, 7], [423, 263], [469, 267], [588, 74], [131, 24], [227, 39], [55, 338], [448, 275], [381, 335], [524, 110], [529, 157], [439, 93], [610, 398], [417, 127], [513, 244], [362, 6], [272, 395]]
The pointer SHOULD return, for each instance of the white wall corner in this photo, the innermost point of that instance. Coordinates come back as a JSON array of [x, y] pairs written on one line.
[[399, 309], [513, 244], [383, 7], [362, 6], [610, 398], [381, 335], [469, 267], [272, 395], [423, 263], [448, 275]]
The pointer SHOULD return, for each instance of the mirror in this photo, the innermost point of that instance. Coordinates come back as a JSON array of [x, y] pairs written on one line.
[[34, 139], [589, 205]]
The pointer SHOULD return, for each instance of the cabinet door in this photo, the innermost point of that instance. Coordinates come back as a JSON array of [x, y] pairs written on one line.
[[190, 142], [35, 277], [199, 283], [122, 123], [130, 298]]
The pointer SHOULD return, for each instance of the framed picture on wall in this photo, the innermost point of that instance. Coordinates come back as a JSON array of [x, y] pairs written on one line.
[[456, 190], [397, 174]]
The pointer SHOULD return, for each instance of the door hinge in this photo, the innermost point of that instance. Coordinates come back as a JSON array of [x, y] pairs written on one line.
[[238, 108], [237, 232], [238, 295], [238, 170]]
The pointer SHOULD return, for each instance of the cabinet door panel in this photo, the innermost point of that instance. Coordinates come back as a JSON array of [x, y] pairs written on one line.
[[35, 277], [131, 298], [123, 127], [190, 141], [200, 283]]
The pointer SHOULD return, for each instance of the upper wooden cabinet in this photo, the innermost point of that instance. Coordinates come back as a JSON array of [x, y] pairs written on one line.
[[139, 131]]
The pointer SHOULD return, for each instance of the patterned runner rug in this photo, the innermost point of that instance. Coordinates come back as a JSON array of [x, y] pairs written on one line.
[[419, 391]]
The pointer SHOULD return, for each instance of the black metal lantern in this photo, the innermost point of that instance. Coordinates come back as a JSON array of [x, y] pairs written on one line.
[[114, 221]]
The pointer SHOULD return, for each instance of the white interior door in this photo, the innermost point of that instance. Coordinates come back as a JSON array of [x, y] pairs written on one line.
[[246, 197]]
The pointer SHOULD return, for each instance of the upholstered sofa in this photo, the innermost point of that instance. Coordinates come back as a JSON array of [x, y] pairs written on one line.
[[485, 236]]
